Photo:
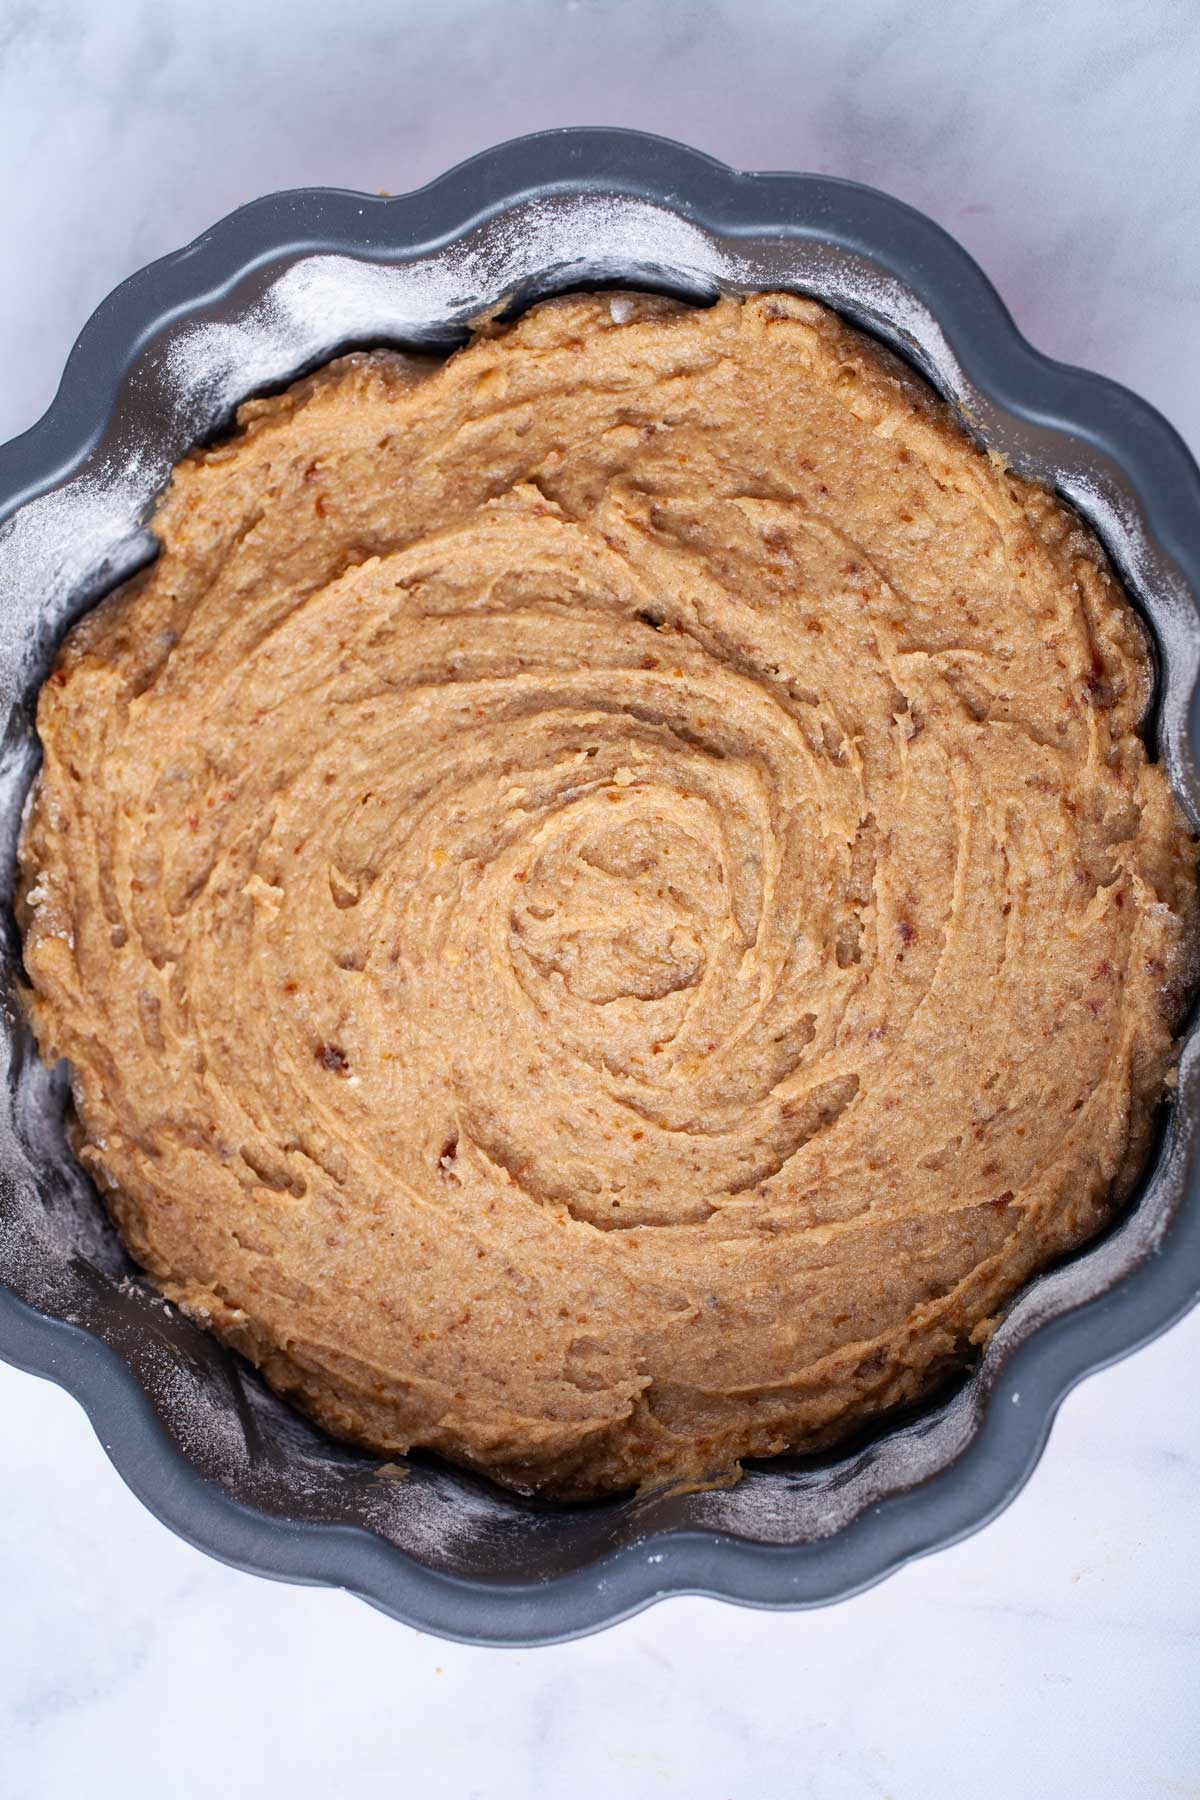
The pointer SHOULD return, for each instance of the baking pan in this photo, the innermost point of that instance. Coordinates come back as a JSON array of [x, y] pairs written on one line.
[[277, 287]]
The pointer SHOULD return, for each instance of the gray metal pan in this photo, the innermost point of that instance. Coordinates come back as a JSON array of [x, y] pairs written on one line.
[[276, 288]]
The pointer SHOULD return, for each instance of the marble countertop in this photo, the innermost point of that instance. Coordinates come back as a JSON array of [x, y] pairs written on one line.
[[1056, 1651]]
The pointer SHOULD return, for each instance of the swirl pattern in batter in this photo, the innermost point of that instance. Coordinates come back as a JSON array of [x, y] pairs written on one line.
[[604, 898]]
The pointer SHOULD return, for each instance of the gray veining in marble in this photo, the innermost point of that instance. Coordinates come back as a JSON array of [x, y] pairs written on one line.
[[1056, 1651]]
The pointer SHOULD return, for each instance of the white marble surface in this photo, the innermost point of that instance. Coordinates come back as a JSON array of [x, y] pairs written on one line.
[[1056, 1652]]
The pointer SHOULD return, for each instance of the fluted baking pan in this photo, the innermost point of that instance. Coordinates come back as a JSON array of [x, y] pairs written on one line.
[[277, 287]]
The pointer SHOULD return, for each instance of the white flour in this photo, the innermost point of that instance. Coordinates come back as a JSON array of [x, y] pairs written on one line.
[[326, 300]]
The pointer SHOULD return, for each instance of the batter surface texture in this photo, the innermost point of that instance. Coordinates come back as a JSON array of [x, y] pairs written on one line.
[[603, 897]]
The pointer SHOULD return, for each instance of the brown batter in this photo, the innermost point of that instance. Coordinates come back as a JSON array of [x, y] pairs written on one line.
[[603, 898]]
